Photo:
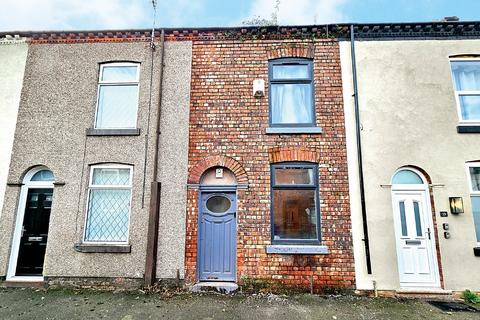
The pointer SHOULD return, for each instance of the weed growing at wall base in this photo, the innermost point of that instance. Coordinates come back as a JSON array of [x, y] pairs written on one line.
[[470, 296]]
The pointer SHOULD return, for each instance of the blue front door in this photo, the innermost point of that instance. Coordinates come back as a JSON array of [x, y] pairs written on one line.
[[217, 246]]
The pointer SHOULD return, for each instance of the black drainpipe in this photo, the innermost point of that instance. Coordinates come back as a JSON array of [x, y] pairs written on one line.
[[359, 152]]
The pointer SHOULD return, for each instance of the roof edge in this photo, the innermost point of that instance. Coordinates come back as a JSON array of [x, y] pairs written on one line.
[[362, 30]]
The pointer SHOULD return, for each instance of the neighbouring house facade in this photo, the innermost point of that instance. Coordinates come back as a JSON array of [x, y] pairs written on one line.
[[268, 181], [418, 87], [101, 137], [13, 54]]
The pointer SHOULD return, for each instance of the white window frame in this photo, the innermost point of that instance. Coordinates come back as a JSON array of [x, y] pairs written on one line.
[[97, 187], [103, 83], [473, 193], [459, 93]]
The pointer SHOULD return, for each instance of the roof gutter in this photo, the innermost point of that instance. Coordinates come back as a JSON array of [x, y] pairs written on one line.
[[359, 152]]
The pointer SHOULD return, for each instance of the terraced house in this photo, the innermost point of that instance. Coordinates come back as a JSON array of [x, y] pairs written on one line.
[[414, 196], [310, 158], [268, 182], [88, 160]]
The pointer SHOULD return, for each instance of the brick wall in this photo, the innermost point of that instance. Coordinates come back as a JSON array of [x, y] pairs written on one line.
[[226, 121]]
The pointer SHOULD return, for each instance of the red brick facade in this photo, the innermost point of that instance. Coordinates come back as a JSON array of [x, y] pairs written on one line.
[[227, 127]]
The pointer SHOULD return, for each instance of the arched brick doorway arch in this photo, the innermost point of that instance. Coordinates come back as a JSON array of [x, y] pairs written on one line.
[[206, 163], [202, 219]]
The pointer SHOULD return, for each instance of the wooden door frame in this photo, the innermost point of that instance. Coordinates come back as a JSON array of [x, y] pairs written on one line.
[[17, 234]]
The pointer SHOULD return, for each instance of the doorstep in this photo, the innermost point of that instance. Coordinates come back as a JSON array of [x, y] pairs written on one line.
[[217, 286], [429, 293], [22, 284]]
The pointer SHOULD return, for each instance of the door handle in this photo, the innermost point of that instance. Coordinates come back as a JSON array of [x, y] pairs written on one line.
[[428, 233], [35, 239]]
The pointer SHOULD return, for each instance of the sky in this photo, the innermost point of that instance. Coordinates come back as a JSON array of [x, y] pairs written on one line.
[[26, 15]]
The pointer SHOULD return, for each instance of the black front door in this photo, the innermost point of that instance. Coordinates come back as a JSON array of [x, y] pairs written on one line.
[[33, 241]]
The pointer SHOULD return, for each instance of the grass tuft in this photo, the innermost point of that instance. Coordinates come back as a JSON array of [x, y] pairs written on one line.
[[471, 297]]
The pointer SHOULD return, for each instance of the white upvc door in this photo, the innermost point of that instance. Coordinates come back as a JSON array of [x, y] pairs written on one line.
[[415, 239]]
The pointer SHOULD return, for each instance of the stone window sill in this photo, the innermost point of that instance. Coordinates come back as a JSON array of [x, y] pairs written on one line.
[[113, 132], [297, 249], [102, 248], [293, 130]]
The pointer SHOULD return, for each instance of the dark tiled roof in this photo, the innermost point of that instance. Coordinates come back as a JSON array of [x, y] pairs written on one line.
[[441, 29], [446, 29]]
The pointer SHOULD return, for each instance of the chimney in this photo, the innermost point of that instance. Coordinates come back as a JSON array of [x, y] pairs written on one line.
[[451, 18]]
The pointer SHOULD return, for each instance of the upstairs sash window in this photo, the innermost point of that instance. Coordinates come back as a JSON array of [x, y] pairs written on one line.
[[466, 78], [291, 93], [117, 101]]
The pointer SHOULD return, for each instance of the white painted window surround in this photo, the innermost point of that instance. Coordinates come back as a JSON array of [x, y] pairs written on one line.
[[466, 82], [108, 204], [117, 96], [473, 172]]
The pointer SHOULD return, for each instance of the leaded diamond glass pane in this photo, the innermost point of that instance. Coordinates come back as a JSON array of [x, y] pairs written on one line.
[[111, 176], [108, 211]]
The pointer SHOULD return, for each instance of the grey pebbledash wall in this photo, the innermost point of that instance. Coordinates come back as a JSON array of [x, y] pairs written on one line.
[[57, 107], [173, 159]]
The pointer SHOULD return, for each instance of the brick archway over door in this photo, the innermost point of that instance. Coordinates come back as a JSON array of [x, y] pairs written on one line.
[[217, 161]]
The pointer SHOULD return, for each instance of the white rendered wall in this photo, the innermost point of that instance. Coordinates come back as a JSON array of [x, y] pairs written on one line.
[[409, 116], [13, 55]]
